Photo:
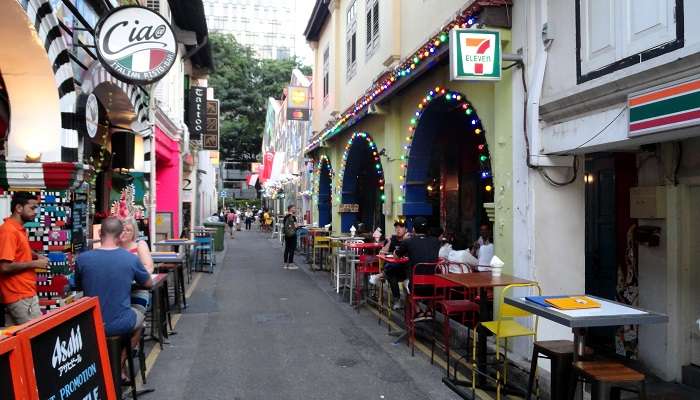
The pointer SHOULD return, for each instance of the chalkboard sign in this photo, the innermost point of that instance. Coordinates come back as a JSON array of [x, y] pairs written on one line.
[[12, 370], [68, 354]]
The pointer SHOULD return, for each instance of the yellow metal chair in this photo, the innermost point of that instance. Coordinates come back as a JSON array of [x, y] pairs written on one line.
[[503, 328], [321, 245]]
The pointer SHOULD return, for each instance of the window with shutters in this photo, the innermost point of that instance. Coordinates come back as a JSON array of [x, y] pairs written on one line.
[[351, 40], [372, 20], [615, 34], [326, 72]]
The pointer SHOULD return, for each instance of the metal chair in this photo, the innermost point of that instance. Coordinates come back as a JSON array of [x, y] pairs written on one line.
[[422, 290], [321, 245], [503, 328], [204, 253], [367, 265]]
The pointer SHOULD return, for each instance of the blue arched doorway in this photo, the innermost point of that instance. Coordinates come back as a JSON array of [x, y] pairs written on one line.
[[362, 183], [447, 170], [325, 183]]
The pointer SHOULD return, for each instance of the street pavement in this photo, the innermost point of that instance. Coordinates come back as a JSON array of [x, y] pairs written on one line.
[[256, 331]]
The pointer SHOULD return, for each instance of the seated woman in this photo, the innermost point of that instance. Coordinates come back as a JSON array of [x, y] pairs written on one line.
[[129, 241], [459, 253]]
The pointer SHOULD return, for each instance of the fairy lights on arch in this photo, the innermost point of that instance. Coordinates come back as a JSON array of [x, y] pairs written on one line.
[[374, 156], [323, 162], [474, 127]]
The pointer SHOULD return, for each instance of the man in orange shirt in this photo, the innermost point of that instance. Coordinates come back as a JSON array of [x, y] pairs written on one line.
[[18, 262]]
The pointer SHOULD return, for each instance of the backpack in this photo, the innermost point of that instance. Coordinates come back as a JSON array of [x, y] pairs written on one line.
[[289, 229]]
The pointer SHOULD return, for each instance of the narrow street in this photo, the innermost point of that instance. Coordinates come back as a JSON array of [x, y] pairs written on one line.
[[256, 331]]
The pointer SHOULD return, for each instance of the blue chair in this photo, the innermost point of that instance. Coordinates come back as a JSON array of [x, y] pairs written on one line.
[[204, 253]]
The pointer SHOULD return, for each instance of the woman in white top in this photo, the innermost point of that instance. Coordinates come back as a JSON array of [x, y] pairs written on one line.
[[459, 253]]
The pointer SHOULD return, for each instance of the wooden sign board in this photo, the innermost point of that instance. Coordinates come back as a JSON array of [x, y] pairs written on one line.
[[65, 354], [12, 379], [349, 208]]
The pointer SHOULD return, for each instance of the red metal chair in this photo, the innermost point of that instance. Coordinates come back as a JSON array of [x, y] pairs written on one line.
[[367, 265], [463, 309], [424, 289]]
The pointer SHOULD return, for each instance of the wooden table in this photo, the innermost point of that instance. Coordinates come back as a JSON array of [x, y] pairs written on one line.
[[169, 257], [481, 281]]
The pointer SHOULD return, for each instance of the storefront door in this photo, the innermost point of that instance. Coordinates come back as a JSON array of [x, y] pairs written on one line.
[[694, 253]]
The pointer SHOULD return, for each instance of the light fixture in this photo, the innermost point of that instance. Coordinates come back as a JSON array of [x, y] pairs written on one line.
[[588, 178], [32, 157]]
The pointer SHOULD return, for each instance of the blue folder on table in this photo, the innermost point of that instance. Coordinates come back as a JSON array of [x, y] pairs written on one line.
[[542, 300]]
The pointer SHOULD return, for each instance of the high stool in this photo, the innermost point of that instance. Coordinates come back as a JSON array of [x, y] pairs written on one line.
[[115, 345], [321, 244], [204, 253], [368, 265], [561, 355], [608, 379]]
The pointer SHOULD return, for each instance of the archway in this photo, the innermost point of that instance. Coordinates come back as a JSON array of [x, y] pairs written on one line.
[[447, 169], [361, 183], [324, 186]]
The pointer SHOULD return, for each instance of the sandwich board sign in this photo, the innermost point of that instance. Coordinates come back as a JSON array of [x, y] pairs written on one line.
[[475, 55]]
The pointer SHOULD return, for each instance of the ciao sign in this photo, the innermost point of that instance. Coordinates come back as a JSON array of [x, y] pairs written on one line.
[[135, 44]]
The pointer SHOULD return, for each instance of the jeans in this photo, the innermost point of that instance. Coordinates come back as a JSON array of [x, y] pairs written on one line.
[[394, 274], [290, 245]]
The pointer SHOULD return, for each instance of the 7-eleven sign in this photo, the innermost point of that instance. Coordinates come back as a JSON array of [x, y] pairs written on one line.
[[475, 54]]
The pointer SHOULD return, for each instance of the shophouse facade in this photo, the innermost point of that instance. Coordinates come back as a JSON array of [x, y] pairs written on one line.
[[613, 89], [394, 138], [289, 182]]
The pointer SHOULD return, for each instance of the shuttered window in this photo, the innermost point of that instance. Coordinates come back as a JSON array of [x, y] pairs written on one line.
[[372, 31], [351, 40], [326, 72]]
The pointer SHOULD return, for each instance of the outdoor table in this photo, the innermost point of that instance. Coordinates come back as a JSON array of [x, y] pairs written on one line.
[[158, 307], [611, 313], [337, 257], [169, 257], [180, 243], [481, 281]]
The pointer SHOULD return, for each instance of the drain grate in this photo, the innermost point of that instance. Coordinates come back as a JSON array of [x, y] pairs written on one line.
[[267, 318]]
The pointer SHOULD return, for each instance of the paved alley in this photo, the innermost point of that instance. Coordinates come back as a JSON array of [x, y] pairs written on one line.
[[256, 331]]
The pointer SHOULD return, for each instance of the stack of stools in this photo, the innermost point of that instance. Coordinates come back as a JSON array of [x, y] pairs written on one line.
[[204, 253]]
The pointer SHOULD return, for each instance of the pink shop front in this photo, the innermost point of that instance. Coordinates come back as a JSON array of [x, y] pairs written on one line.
[[168, 179]]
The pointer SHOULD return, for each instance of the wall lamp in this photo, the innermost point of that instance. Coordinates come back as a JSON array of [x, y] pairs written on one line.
[[382, 153], [32, 157]]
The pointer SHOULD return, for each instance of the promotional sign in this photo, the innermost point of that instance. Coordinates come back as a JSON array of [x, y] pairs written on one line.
[[267, 166], [197, 112], [135, 44], [65, 354], [349, 208], [671, 106], [475, 54], [298, 103], [211, 134], [12, 379]]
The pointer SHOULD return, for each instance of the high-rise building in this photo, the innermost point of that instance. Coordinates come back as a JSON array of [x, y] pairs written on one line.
[[273, 28]]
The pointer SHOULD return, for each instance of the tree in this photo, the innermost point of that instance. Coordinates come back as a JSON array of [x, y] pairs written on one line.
[[243, 84]]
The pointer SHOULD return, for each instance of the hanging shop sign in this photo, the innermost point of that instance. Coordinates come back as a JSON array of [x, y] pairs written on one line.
[[663, 108], [298, 103], [66, 354], [475, 55], [211, 133], [135, 44], [92, 115], [349, 208], [197, 112]]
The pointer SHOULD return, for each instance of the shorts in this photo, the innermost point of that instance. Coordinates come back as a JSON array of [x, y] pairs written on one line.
[[140, 318], [140, 300], [22, 311]]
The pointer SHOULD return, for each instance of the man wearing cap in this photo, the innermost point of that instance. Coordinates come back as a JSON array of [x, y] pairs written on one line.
[[395, 272], [18, 262], [421, 248]]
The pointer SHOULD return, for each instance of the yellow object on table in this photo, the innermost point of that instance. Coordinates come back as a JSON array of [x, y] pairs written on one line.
[[573, 303]]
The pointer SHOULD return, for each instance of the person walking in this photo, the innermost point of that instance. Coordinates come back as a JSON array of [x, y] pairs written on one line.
[[289, 228], [18, 263], [231, 221], [248, 219]]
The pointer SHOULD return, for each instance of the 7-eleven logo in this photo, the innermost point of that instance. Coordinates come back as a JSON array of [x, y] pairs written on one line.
[[475, 54]]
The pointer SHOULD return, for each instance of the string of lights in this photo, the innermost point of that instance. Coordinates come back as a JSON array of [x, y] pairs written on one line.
[[375, 157]]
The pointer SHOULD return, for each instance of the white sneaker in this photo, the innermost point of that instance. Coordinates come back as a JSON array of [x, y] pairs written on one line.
[[292, 266], [406, 286], [284, 266], [374, 279]]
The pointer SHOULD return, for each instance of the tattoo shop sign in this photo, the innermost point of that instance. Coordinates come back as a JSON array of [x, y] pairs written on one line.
[[135, 44]]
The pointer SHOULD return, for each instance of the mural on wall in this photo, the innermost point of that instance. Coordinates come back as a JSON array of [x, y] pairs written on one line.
[[627, 337], [126, 206]]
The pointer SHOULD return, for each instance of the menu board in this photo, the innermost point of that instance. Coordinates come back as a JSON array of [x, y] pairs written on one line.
[[67, 352], [7, 389]]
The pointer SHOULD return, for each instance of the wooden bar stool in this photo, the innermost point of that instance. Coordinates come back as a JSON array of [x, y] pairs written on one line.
[[608, 379], [561, 355]]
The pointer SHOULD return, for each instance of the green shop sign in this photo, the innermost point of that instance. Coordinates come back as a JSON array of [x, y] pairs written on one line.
[[475, 55]]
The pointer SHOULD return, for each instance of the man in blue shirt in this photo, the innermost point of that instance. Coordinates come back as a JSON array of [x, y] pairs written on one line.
[[108, 273]]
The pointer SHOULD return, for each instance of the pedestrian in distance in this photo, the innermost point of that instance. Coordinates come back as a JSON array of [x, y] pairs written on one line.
[[230, 221], [248, 219], [18, 263], [289, 228]]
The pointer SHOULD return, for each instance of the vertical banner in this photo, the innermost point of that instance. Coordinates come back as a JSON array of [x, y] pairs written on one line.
[[267, 166], [298, 103], [197, 112], [211, 134]]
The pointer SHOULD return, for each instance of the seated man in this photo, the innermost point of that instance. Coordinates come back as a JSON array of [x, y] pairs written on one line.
[[108, 273], [395, 272]]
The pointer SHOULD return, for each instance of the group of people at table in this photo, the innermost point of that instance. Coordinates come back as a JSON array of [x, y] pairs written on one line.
[[107, 272]]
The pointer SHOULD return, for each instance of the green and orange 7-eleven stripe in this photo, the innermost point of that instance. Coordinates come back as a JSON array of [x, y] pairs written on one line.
[[663, 109]]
